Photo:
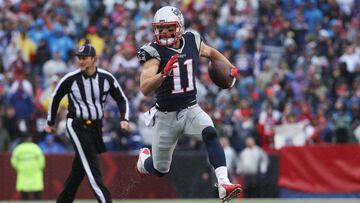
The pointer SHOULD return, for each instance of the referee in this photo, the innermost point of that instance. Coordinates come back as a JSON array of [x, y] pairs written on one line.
[[87, 89]]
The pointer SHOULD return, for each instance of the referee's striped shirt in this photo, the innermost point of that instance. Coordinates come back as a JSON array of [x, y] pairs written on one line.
[[87, 95]]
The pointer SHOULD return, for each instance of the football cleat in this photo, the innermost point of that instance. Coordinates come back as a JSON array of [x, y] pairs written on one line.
[[144, 153], [228, 191]]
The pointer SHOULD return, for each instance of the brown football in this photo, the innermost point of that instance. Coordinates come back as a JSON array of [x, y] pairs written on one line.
[[219, 73]]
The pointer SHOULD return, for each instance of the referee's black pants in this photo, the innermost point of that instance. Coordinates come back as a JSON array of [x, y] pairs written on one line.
[[88, 144]]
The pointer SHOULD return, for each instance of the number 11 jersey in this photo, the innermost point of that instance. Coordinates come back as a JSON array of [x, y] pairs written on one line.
[[179, 88]]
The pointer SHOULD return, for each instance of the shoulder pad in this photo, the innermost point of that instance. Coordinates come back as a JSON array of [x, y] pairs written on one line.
[[147, 52]]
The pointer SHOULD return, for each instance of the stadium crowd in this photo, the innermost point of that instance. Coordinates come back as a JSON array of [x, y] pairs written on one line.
[[299, 62]]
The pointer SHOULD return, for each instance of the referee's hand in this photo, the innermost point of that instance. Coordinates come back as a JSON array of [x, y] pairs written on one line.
[[49, 129], [124, 125]]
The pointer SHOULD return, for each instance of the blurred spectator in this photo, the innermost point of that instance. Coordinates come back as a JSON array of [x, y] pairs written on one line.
[[268, 118], [298, 85], [29, 162], [305, 113], [60, 42], [96, 40], [214, 40], [79, 10], [352, 61], [252, 164], [49, 145], [288, 114], [3, 94], [22, 101], [27, 46], [10, 54], [125, 58], [38, 32], [11, 122], [300, 27], [105, 29], [357, 133], [42, 55], [52, 67], [19, 67], [109, 137], [134, 140], [21, 80], [242, 118], [230, 156], [342, 126], [4, 138], [259, 58], [313, 16], [243, 62], [265, 75]]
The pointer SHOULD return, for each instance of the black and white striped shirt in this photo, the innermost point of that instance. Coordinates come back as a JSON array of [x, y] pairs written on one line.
[[87, 95]]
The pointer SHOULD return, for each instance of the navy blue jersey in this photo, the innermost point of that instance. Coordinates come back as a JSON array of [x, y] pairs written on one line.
[[180, 88]]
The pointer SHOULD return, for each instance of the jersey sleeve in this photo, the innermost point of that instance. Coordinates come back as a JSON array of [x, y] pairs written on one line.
[[146, 53]]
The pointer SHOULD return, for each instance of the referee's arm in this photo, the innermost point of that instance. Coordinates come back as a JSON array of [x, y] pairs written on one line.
[[118, 95], [61, 89]]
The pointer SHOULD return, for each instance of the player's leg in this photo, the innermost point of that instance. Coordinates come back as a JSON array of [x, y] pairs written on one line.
[[89, 160], [202, 127], [163, 145], [73, 181]]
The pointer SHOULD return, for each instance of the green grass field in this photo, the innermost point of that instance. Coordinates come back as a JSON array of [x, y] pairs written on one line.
[[210, 201]]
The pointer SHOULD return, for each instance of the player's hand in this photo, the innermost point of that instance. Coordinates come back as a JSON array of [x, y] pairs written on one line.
[[124, 125], [234, 72], [170, 65], [49, 129]]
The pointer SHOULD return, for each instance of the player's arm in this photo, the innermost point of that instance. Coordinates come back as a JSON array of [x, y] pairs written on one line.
[[150, 79], [213, 54]]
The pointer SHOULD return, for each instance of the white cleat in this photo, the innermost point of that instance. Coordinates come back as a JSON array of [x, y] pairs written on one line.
[[229, 191], [144, 153]]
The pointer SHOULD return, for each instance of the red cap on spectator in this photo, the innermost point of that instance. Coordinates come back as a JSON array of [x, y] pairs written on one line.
[[92, 29]]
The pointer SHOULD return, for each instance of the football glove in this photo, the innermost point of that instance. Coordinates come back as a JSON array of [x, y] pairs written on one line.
[[170, 65], [233, 73]]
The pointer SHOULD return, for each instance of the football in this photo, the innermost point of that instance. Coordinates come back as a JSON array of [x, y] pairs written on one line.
[[219, 73]]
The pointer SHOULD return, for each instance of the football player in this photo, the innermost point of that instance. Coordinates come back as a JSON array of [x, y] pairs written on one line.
[[169, 65]]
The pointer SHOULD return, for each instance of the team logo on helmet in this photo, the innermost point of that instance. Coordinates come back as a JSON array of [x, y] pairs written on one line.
[[177, 12], [81, 48]]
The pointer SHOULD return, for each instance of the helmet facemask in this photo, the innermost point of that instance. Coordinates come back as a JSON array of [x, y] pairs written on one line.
[[167, 33]]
